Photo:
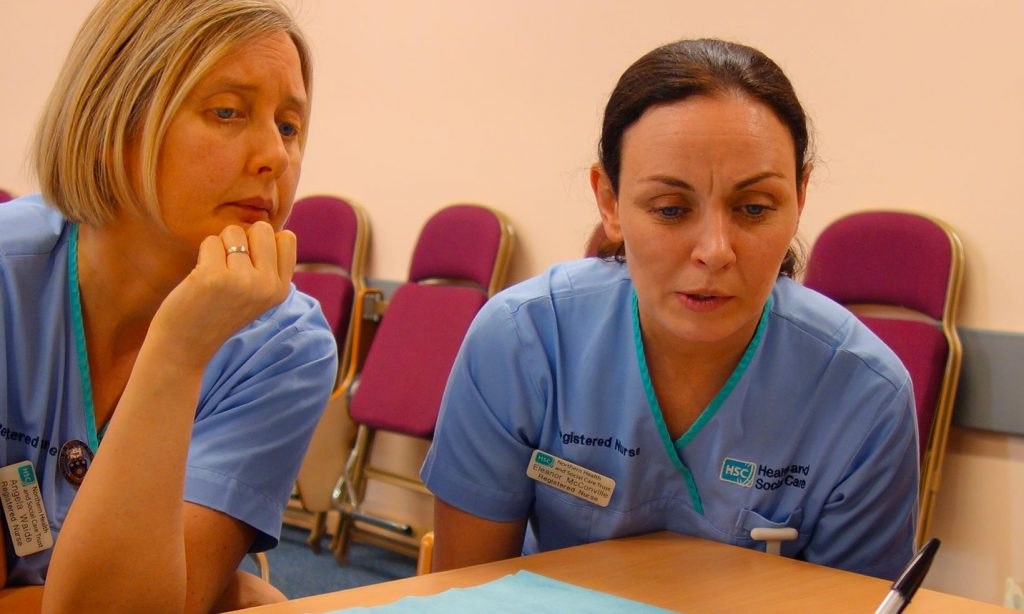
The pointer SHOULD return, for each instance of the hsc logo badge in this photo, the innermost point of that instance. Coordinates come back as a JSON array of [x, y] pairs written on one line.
[[738, 472]]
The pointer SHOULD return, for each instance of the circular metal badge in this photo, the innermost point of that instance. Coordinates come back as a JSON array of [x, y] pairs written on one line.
[[73, 461]]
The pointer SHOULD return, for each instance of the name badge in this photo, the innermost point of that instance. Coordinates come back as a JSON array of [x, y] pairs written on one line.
[[571, 478], [23, 509]]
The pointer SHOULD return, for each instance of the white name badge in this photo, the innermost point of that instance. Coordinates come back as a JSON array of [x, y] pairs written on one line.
[[571, 478], [23, 509]]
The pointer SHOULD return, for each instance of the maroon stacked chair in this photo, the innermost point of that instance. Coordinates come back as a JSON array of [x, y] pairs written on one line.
[[901, 273], [333, 236], [460, 259], [332, 244]]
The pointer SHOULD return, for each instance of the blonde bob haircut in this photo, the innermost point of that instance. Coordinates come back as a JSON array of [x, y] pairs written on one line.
[[129, 70]]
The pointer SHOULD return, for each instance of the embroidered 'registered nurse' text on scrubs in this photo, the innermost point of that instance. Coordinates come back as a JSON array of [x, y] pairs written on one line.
[[814, 430], [262, 393]]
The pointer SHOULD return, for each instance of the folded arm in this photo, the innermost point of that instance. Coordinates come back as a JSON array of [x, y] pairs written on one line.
[[130, 542]]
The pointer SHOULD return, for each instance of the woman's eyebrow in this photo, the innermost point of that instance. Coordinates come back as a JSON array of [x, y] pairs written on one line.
[[746, 183], [671, 181]]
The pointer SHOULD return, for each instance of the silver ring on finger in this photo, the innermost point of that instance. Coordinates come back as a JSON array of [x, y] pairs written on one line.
[[238, 249]]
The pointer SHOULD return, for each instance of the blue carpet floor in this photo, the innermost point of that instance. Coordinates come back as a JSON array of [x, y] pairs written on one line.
[[297, 572]]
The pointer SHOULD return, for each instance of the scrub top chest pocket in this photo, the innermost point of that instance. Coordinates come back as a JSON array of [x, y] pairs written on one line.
[[749, 519]]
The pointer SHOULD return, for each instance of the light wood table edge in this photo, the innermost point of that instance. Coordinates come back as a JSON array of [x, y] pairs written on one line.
[[655, 569]]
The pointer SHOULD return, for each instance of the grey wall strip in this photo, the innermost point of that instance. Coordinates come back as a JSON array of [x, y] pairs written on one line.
[[991, 392], [387, 286]]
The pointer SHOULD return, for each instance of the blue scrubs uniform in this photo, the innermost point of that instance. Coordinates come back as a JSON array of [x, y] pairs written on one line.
[[262, 393], [814, 430]]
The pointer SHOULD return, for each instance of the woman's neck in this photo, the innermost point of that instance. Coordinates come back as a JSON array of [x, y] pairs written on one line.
[[126, 270], [687, 376]]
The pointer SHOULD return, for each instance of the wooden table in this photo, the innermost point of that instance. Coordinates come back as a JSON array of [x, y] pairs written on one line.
[[668, 570]]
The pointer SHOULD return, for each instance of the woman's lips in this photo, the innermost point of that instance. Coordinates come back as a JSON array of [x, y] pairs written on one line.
[[252, 210], [702, 303]]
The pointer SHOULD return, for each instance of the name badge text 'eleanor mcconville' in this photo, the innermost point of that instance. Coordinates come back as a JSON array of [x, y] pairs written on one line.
[[570, 478]]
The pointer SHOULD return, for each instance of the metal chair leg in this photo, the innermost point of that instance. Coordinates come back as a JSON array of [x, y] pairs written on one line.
[[348, 492]]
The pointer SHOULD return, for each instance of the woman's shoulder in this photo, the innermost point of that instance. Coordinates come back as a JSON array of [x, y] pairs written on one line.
[[298, 312], [819, 321], [292, 335], [574, 281], [561, 307], [29, 226]]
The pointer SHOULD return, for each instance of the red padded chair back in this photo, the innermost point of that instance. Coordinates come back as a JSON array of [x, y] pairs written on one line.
[[458, 242], [886, 258], [327, 227], [5, 196], [327, 232], [408, 364]]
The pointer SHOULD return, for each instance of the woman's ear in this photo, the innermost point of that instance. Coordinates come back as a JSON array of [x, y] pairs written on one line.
[[607, 202]]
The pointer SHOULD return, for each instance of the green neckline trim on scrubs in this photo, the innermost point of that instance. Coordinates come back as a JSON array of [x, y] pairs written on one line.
[[730, 383], [674, 451], [659, 420], [78, 329]]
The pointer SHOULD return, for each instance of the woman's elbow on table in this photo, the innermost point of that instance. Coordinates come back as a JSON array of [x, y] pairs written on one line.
[[463, 539]]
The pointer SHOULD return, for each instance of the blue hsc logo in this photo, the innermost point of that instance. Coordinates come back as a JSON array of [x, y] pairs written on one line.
[[739, 472]]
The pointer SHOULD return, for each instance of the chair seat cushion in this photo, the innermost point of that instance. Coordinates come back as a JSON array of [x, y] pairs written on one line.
[[335, 294], [922, 348], [412, 354]]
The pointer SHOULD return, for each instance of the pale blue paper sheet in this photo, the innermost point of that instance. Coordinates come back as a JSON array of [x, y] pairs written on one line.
[[519, 592]]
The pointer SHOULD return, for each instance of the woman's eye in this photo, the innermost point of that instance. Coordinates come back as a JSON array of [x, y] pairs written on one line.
[[225, 113], [755, 210], [668, 213], [287, 129]]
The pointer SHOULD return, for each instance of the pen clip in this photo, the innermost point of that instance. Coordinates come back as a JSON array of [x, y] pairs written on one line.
[[773, 537]]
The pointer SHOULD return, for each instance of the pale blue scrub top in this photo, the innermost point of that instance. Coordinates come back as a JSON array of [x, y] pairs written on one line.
[[814, 430], [262, 393]]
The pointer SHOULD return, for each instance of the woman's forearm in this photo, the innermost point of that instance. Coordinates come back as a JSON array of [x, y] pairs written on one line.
[[122, 542]]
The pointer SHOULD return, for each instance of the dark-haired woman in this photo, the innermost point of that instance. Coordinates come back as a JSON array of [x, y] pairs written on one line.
[[685, 382]]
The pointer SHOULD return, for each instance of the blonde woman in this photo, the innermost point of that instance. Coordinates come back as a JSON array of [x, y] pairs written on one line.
[[159, 373]]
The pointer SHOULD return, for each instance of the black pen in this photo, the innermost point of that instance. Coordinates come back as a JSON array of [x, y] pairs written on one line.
[[910, 579]]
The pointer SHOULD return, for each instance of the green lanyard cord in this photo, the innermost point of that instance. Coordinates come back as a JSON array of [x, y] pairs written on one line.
[[78, 329]]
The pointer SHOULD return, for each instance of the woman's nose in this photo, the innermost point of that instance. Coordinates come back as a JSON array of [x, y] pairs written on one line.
[[268, 156], [713, 246]]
